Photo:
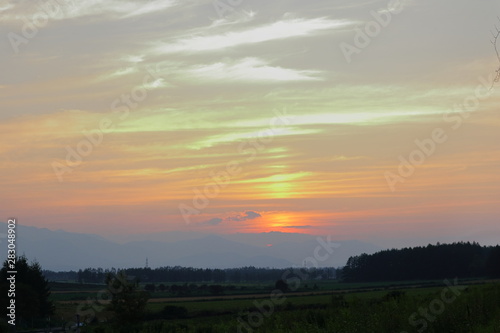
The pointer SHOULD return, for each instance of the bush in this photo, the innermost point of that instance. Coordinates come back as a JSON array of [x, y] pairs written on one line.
[[173, 312]]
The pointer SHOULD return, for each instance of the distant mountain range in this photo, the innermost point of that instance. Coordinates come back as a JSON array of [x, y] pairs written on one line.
[[60, 250]]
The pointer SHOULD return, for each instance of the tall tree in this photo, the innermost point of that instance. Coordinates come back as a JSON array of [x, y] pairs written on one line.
[[128, 302], [32, 290]]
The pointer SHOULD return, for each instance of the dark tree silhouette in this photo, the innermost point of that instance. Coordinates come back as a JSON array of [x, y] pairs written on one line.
[[178, 274], [128, 302], [32, 290], [493, 262], [281, 285], [216, 289], [150, 287], [173, 312], [463, 260], [495, 41]]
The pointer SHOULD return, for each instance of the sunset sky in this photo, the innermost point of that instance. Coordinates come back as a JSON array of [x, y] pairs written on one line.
[[115, 117]]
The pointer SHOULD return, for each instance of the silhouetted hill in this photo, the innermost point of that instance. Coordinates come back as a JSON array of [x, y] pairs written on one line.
[[61, 251]]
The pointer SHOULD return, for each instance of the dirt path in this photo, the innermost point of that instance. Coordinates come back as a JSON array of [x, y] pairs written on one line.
[[230, 297], [77, 291], [216, 298]]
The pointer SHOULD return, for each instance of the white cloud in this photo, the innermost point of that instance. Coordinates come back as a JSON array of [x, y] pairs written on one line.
[[236, 18], [278, 30], [70, 9], [6, 6], [121, 9], [150, 7], [250, 70]]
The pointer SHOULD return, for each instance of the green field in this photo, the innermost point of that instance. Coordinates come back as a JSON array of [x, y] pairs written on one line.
[[330, 307]]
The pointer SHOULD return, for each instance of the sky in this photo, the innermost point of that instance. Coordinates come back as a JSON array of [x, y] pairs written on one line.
[[370, 120]]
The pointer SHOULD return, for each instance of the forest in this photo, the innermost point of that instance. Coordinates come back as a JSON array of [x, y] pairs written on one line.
[[431, 262]]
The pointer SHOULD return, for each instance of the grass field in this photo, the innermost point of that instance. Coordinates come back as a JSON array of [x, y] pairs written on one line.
[[330, 307]]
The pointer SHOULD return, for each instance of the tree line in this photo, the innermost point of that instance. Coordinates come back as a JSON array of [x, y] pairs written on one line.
[[431, 262], [178, 274]]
